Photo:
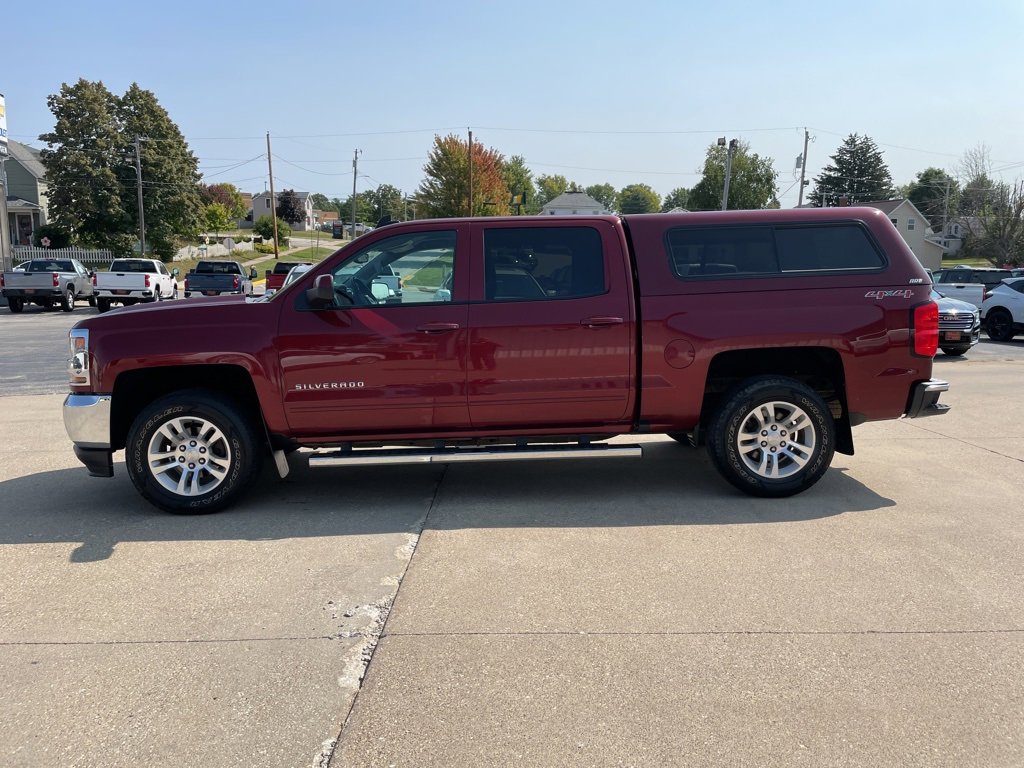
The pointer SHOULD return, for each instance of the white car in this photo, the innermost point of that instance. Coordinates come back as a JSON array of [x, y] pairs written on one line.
[[1003, 311]]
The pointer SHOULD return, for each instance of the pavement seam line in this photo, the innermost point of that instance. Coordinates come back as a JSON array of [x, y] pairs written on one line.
[[210, 641], [967, 442], [329, 747], [714, 633]]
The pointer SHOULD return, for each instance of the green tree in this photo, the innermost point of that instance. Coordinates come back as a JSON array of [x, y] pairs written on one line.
[[227, 195], [321, 203], [386, 201], [752, 186], [364, 209], [85, 160], [216, 217], [605, 194], [677, 198], [638, 198], [857, 173], [264, 227], [519, 180], [445, 190], [56, 237], [936, 194], [550, 187], [997, 231], [290, 207], [170, 173]]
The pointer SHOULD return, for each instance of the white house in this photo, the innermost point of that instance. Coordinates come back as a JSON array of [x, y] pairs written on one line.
[[573, 204], [914, 228], [262, 206]]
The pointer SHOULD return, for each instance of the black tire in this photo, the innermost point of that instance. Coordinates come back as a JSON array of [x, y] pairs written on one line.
[[15, 305], [999, 325], [67, 299], [102, 304], [814, 444], [235, 450], [46, 304], [92, 301], [955, 351]]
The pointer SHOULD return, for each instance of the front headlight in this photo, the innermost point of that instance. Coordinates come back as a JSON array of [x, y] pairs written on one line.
[[78, 361]]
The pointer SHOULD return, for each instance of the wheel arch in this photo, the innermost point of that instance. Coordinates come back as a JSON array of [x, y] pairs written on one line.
[[820, 368], [134, 390]]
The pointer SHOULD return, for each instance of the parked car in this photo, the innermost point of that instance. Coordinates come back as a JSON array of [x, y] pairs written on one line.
[[295, 273], [47, 282], [276, 276], [213, 278], [1003, 310], [959, 324], [970, 284], [134, 281], [766, 335]]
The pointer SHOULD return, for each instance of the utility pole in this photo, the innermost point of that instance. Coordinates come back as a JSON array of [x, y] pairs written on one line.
[[273, 199], [803, 169], [470, 173], [142, 214], [728, 172], [945, 209], [6, 253], [355, 175]]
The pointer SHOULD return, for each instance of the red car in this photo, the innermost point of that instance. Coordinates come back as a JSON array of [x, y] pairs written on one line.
[[766, 335]]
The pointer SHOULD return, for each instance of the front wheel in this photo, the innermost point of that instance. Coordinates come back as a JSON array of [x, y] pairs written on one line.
[[772, 437], [999, 325], [192, 452]]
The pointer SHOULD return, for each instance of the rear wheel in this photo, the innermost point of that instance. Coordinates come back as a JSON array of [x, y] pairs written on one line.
[[67, 300], [92, 301], [773, 437], [15, 305], [999, 325], [193, 452], [102, 304]]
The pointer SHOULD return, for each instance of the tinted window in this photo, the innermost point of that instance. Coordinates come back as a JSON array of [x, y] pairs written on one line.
[[994, 277], [537, 263], [828, 248], [701, 252]]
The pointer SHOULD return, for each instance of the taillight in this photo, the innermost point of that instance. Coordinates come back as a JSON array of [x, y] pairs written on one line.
[[988, 295], [1, 281], [56, 279], [186, 283], [147, 281], [94, 279], [238, 282], [926, 329]]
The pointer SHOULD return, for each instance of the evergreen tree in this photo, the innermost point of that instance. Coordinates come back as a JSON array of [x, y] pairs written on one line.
[[857, 173], [752, 184]]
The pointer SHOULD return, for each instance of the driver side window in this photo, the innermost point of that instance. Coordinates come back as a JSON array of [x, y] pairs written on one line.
[[415, 268]]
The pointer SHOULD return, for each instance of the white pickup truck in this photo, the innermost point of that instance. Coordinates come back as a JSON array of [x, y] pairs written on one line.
[[134, 281], [970, 284]]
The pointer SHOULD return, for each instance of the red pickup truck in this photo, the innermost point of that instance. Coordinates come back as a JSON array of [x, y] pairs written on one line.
[[766, 335], [275, 277]]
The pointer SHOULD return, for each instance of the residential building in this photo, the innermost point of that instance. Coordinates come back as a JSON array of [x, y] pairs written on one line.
[[573, 204], [262, 206], [27, 204], [246, 223], [913, 227]]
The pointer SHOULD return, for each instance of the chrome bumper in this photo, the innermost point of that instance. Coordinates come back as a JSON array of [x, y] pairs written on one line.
[[87, 420]]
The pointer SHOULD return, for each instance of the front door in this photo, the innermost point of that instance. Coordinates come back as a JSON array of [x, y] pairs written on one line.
[[552, 326], [389, 355]]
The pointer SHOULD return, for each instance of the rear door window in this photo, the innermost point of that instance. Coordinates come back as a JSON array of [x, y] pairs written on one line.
[[542, 263], [722, 251]]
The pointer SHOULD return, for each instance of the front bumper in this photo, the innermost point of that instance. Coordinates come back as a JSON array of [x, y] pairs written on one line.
[[87, 421], [924, 399]]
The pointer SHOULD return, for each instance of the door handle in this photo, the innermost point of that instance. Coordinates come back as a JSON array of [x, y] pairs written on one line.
[[601, 322], [437, 327]]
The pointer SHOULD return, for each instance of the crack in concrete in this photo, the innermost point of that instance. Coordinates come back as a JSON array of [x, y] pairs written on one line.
[[726, 632]]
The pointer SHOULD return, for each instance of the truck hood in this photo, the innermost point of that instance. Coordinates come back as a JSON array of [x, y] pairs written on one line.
[[955, 305], [182, 313]]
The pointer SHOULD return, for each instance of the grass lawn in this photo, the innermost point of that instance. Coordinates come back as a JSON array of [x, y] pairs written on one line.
[[430, 276], [953, 261]]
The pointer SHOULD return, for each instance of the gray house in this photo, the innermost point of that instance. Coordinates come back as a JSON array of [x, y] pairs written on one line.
[[573, 203], [263, 206], [26, 192]]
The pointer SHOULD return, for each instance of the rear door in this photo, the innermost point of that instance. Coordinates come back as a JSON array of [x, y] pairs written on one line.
[[551, 325], [390, 354]]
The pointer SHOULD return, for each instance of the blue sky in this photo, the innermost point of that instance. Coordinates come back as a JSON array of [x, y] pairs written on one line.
[[596, 91]]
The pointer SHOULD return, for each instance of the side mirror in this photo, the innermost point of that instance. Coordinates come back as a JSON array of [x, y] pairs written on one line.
[[175, 272], [322, 293], [252, 273]]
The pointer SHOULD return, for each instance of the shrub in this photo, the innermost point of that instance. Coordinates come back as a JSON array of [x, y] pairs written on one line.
[[263, 247], [59, 238]]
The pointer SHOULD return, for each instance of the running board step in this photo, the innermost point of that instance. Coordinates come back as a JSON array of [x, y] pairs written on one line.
[[387, 456]]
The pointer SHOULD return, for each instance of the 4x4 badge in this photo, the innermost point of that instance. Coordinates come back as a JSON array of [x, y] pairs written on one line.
[[904, 293]]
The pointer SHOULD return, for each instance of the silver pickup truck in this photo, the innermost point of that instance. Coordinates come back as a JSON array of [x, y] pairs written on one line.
[[134, 281], [47, 282], [970, 284]]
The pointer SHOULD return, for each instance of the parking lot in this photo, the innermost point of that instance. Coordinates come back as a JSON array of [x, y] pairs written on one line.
[[575, 613]]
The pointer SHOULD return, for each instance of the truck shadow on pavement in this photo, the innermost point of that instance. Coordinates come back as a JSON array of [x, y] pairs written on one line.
[[671, 485]]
